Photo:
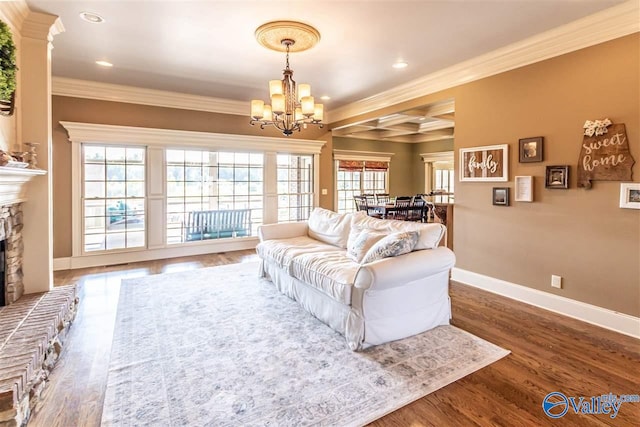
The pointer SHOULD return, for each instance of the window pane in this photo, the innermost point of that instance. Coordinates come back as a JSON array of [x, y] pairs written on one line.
[[94, 189], [135, 172], [116, 154], [94, 172]]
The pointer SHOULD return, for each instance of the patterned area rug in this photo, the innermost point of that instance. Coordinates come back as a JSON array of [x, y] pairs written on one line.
[[220, 347]]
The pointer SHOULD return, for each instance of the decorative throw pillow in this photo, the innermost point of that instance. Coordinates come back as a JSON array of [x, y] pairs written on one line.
[[360, 241], [392, 245]]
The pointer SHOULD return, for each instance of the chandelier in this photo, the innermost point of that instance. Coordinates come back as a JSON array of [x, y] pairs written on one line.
[[292, 106]]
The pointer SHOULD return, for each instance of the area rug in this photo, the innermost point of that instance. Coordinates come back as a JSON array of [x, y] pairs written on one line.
[[220, 347]]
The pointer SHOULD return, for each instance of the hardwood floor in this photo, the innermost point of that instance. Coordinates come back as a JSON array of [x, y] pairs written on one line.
[[549, 353]]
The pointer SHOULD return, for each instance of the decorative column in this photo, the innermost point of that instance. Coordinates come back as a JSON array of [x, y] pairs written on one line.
[[37, 34]]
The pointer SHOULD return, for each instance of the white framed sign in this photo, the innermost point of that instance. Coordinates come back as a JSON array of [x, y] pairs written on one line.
[[488, 163], [524, 189]]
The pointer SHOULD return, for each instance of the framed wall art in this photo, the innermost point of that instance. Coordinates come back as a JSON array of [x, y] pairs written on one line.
[[630, 195], [524, 189], [531, 149], [557, 177], [487, 163], [501, 196]]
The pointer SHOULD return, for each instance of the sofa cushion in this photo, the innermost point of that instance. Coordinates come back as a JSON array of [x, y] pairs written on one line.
[[329, 227], [429, 234], [392, 245], [282, 251], [360, 241], [329, 272]]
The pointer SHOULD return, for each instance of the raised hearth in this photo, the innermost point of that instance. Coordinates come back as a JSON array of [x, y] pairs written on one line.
[[32, 332]]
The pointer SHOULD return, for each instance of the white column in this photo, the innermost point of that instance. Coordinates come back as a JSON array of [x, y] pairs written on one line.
[[38, 30], [270, 213]]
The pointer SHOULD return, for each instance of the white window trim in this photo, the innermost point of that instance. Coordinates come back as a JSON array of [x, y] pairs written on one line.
[[156, 140], [372, 156], [429, 159]]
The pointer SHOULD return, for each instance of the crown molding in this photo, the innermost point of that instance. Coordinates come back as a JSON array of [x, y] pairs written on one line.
[[63, 86], [437, 156], [14, 13], [609, 24], [91, 132], [41, 26]]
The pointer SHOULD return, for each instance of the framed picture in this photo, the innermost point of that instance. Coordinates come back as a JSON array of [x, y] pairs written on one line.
[[557, 177], [524, 189], [487, 163], [501, 196], [630, 195], [531, 149]]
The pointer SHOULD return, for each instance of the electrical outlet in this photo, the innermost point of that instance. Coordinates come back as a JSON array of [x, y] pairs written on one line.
[[324, 192], [556, 281]]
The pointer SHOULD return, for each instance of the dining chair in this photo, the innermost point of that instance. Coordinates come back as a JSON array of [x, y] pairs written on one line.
[[361, 203], [417, 210], [383, 198], [401, 209]]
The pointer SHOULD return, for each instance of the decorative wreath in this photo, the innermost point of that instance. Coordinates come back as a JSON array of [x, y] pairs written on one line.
[[7, 63]]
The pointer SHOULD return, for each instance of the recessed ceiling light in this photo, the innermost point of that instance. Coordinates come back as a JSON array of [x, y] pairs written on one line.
[[400, 64], [104, 63], [325, 97], [94, 18]]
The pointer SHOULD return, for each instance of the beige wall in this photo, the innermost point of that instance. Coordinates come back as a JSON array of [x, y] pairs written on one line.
[[115, 113], [581, 235]]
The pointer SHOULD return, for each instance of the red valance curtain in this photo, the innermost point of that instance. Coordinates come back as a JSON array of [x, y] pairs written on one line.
[[376, 166], [350, 165]]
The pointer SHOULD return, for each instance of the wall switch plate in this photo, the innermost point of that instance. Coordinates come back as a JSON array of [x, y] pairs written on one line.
[[556, 281], [324, 192]]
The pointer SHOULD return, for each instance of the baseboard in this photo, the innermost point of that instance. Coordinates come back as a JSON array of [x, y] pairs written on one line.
[[63, 263], [609, 319], [199, 248]]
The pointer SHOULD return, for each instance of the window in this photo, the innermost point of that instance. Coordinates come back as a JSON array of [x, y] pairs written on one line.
[[355, 177], [295, 187], [200, 181], [113, 197], [443, 178]]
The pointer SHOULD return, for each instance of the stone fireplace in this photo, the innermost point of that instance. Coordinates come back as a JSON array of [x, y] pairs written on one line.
[[11, 250]]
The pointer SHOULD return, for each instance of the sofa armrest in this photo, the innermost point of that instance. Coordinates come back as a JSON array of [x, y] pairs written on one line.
[[284, 230], [396, 271]]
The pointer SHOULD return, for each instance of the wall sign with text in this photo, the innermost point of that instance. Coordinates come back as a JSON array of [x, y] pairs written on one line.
[[605, 154], [488, 163]]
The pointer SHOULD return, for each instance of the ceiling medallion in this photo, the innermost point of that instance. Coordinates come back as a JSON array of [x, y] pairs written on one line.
[[271, 34], [292, 106]]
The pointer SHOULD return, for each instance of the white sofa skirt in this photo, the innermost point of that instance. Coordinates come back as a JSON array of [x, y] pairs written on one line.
[[375, 316]]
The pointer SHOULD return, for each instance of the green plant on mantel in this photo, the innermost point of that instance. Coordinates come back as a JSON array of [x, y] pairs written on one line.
[[8, 66]]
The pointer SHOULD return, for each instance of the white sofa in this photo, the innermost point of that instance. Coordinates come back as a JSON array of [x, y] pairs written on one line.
[[369, 303]]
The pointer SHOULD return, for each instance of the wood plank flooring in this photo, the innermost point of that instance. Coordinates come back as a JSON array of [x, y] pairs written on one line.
[[549, 353]]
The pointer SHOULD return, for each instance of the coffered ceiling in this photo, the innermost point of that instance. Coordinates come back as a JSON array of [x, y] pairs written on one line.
[[428, 123]]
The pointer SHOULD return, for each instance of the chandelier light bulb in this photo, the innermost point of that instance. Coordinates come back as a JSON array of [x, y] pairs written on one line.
[[278, 103], [308, 105], [303, 90], [257, 109], [275, 87], [318, 112], [268, 114]]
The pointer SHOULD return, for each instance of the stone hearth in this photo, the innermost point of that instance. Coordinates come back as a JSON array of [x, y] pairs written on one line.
[[11, 232]]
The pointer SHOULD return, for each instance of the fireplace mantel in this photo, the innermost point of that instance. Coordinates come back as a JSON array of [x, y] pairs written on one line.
[[13, 184]]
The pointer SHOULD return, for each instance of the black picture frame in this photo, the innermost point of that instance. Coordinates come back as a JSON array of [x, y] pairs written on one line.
[[557, 176], [531, 149], [501, 196]]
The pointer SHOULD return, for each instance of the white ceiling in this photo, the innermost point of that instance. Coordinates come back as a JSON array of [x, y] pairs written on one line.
[[208, 47]]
